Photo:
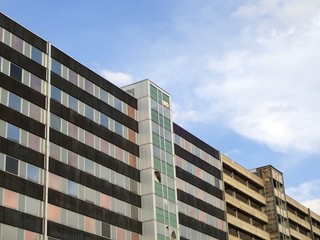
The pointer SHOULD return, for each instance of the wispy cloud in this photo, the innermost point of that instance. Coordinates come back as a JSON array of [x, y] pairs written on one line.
[[265, 85]]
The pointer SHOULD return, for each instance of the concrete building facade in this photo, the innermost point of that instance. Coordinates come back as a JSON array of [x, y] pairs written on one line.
[[81, 158]]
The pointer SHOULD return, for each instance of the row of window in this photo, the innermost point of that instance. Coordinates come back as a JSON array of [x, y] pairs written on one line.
[[165, 192], [88, 224], [199, 193], [200, 173], [202, 216], [92, 114], [20, 202], [91, 140], [166, 217], [9, 232], [185, 144], [159, 96], [21, 168], [91, 88], [91, 167], [162, 143], [190, 233], [22, 75], [21, 136], [21, 105], [90, 195], [22, 46]]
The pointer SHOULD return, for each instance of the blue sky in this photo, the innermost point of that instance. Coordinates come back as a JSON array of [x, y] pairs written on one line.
[[244, 75]]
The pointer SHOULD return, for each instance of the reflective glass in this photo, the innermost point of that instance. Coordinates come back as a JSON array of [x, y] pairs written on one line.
[[56, 93], [73, 103], [89, 112], [13, 132], [56, 67], [33, 173], [118, 128], [72, 188], [16, 72], [104, 120], [14, 102], [17, 43], [36, 55], [12, 165]]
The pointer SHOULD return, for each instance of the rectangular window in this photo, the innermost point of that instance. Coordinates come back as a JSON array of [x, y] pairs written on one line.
[[13, 133], [73, 103], [158, 189], [89, 112], [36, 55], [159, 215], [118, 128], [117, 104], [56, 67], [89, 166], [14, 102], [55, 122], [12, 165], [105, 230], [89, 86], [35, 83], [17, 43], [16, 72], [73, 77], [10, 199], [173, 220], [33, 173], [54, 213], [171, 195], [56, 93], [72, 188], [153, 92], [104, 120]]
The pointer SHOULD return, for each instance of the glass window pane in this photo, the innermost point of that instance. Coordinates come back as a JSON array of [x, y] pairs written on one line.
[[13, 133], [33, 173], [10, 198], [103, 95], [118, 128], [72, 188], [105, 227], [16, 72], [117, 104], [89, 112], [89, 166], [73, 103], [104, 120], [17, 43], [14, 102], [55, 122], [89, 86], [56, 67], [53, 213], [12, 165], [56, 93], [73, 77], [35, 83], [36, 55]]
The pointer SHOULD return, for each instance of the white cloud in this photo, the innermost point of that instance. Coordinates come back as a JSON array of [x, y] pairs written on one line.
[[118, 78], [307, 193], [268, 90]]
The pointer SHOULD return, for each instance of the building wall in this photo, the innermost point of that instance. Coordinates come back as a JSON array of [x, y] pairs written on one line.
[[68, 143], [246, 202], [201, 202]]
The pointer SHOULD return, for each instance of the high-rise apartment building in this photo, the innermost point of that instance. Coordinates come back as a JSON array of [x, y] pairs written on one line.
[[83, 159]]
